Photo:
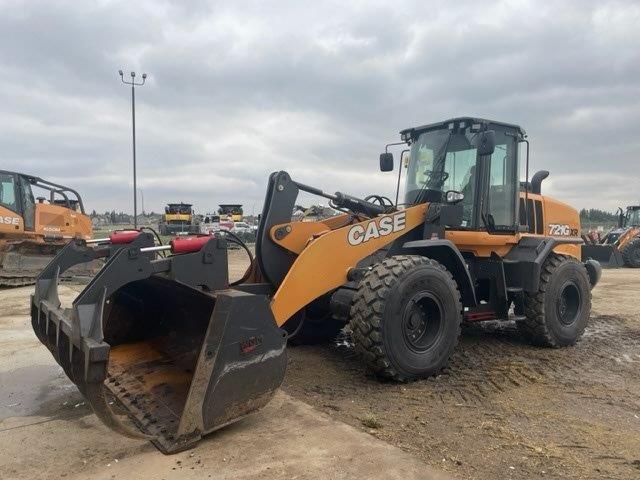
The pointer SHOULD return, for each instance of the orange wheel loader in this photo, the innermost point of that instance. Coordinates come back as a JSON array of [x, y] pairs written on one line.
[[168, 349], [619, 247]]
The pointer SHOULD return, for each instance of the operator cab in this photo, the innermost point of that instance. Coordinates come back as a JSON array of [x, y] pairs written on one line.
[[178, 209], [16, 194], [632, 217], [471, 162]]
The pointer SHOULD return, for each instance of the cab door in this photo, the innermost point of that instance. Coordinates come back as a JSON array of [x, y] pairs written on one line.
[[499, 184], [28, 203]]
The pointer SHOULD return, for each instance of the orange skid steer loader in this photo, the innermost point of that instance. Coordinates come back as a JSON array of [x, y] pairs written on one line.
[[167, 348]]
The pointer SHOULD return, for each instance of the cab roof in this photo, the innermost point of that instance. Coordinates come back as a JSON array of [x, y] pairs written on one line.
[[31, 178], [457, 120]]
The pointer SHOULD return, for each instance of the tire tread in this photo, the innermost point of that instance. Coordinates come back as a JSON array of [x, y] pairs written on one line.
[[368, 308], [627, 253], [534, 327]]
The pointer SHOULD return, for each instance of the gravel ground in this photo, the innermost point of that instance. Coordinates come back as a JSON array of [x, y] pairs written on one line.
[[504, 409]]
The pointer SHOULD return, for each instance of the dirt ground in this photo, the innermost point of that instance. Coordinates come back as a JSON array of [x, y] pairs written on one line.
[[48, 431], [504, 409]]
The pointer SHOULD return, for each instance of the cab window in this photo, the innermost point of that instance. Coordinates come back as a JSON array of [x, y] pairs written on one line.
[[461, 167], [8, 192], [503, 174]]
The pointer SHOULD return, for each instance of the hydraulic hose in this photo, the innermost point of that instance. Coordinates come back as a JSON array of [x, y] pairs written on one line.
[[157, 237], [235, 239]]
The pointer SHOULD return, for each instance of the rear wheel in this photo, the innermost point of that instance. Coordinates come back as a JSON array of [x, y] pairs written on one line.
[[631, 253], [557, 314], [406, 317]]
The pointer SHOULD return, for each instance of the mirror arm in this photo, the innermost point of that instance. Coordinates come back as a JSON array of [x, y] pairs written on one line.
[[386, 147]]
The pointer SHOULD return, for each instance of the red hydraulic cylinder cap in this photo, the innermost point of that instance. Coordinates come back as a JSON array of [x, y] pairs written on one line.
[[189, 244], [120, 237]]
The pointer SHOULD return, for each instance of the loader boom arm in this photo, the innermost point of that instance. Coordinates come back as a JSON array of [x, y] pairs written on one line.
[[328, 258]]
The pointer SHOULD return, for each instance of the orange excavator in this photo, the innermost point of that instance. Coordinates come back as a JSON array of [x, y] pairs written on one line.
[[33, 231]]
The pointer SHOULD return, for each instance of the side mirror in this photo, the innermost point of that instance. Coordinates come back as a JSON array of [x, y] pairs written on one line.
[[386, 162], [486, 142], [453, 197]]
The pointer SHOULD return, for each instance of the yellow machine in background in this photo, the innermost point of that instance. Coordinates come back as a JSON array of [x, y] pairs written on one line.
[[178, 219], [32, 232], [231, 211]]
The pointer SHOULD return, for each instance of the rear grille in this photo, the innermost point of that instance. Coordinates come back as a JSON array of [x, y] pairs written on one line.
[[539, 220], [531, 215]]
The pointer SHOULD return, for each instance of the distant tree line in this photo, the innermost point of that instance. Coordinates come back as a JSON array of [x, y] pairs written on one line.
[[596, 215], [116, 218]]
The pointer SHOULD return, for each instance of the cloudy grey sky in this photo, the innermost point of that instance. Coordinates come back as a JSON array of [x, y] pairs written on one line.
[[239, 89]]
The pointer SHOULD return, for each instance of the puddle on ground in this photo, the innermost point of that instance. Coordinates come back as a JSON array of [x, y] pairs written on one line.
[[40, 390]]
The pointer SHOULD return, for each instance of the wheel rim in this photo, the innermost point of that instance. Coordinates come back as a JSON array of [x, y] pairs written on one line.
[[568, 303], [422, 322]]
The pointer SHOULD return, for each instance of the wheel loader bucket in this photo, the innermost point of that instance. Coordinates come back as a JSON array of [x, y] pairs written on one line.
[[164, 348], [607, 255]]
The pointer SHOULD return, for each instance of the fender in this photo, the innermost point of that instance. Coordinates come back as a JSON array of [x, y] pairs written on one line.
[[524, 261], [445, 252]]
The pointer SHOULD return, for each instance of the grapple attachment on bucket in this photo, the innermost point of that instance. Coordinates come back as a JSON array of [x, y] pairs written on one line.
[[165, 348]]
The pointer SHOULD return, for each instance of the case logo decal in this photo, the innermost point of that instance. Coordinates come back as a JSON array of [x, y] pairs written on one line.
[[363, 233], [10, 220]]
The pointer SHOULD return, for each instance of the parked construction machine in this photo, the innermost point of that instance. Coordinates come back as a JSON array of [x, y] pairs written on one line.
[[33, 231], [166, 348], [178, 219], [619, 247], [231, 211]]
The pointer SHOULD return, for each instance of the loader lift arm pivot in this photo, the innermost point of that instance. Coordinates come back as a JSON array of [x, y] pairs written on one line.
[[280, 200]]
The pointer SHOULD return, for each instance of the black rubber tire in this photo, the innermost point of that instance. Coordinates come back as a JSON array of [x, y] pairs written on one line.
[[379, 316], [631, 253], [543, 324]]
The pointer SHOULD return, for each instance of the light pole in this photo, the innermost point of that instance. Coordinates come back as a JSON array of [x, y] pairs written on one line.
[[134, 84]]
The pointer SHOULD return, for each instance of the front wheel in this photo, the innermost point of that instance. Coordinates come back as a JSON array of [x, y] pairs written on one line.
[[406, 317], [557, 314], [631, 253]]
